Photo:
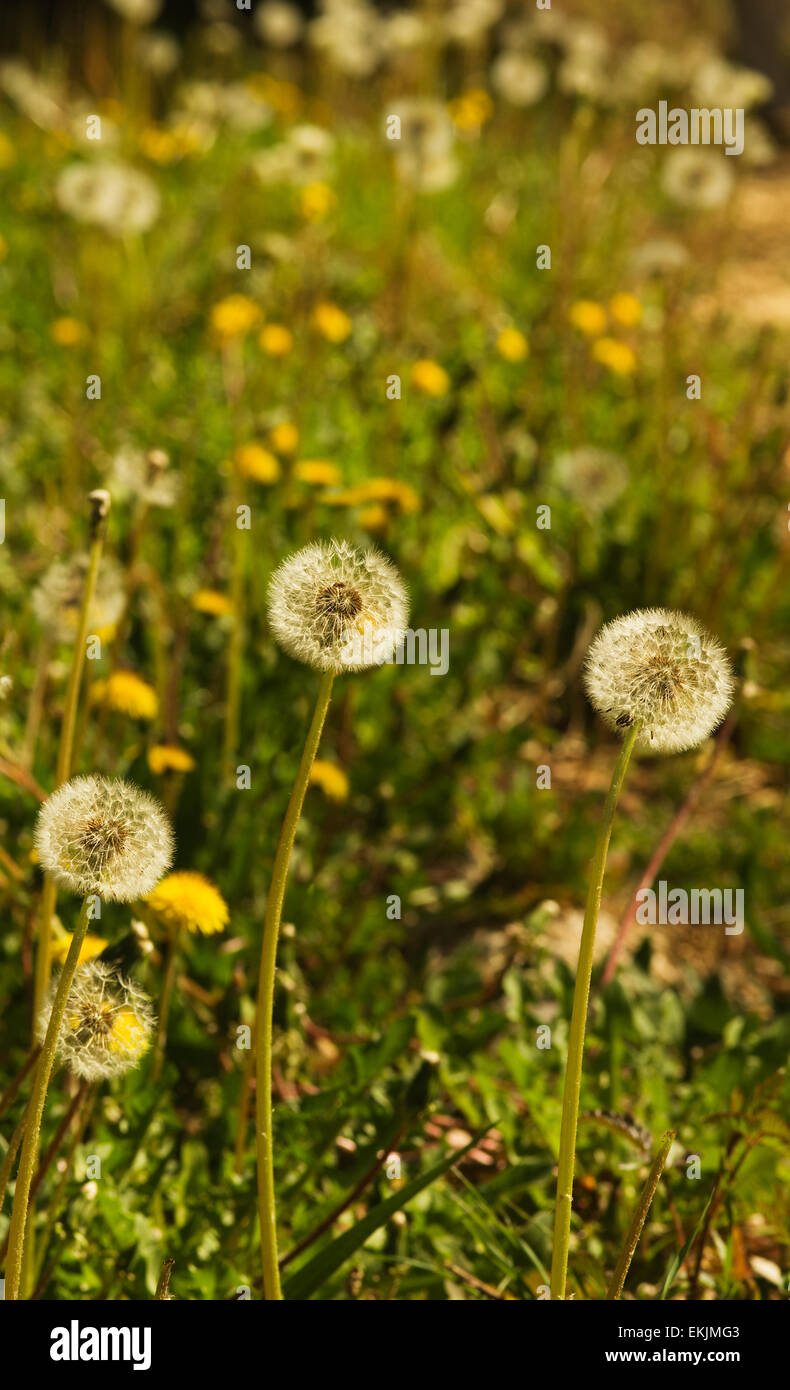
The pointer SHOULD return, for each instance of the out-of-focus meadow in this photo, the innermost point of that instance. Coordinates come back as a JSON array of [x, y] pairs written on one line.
[[363, 337]]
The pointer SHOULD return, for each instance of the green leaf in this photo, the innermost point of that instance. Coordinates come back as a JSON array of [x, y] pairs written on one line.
[[312, 1275], [679, 1256]]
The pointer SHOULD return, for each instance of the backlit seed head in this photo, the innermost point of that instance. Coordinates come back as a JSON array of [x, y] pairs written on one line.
[[338, 608], [104, 836], [661, 670], [107, 1023], [56, 600]]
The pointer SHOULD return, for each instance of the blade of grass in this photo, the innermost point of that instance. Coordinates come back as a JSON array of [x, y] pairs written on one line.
[[639, 1217], [680, 1257], [311, 1276]]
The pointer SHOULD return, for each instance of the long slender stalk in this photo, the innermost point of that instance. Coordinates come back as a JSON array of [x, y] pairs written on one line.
[[10, 1154], [10, 1094], [639, 1217], [581, 995], [171, 952], [87, 1097], [236, 639], [265, 1001], [27, 1163]]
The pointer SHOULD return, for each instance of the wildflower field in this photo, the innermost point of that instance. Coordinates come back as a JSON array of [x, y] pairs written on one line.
[[395, 473]]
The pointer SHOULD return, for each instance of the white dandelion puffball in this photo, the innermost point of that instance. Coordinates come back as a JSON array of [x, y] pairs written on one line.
[[338, 608], [105, 836], [107, 1023], [58, 596], [112, 195], [661, 670], [697, 178], [519, 78], [596, 477]]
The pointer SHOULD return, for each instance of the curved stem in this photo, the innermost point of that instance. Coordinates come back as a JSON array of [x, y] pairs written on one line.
[[10, 1094], [164, 1003], [639, 1217], [38, 1095], [581, 995], [87, 1097], [265, 1002], [10, 1154]]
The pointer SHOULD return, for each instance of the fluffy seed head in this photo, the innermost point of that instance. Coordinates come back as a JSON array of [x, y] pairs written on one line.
[[661, 670], [56, 600], [107, 1023], [338, 608], [104, 836]]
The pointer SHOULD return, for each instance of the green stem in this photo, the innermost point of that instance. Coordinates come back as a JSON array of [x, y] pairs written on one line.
[[27, 1163], [87, 1098], [581, 995], [639, 1217], [163, 1282], [265, 1002], [10, 1155], [164, 1003]]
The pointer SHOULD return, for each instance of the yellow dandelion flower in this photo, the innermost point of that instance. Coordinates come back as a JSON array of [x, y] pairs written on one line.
[[91, 946], [128, 1032], [67, 332], [186, 899], [316, 201], [332, 323], [284, 438], [588, 316], [625, 309], [253, 461], [512, 345], [471, 109], [319, 472], [233, 316], [211, 601], [127, 693], [276, 340], [7, 155], [168, 757], [161, 146], [617, 356], [330, 778], [388, 490], [429, 377], [375, 518], [283, 97]]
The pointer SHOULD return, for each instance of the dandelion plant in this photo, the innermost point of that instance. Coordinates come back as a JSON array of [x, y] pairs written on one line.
[[663, 683], [98, 838], [336, 608]]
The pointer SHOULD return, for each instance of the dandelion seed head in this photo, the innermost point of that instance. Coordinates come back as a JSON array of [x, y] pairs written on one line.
[[107, 1023], [113, 196], [104, 836], [338, 608], [697, 178], [57, 598], [145, 476], [661, 670]]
